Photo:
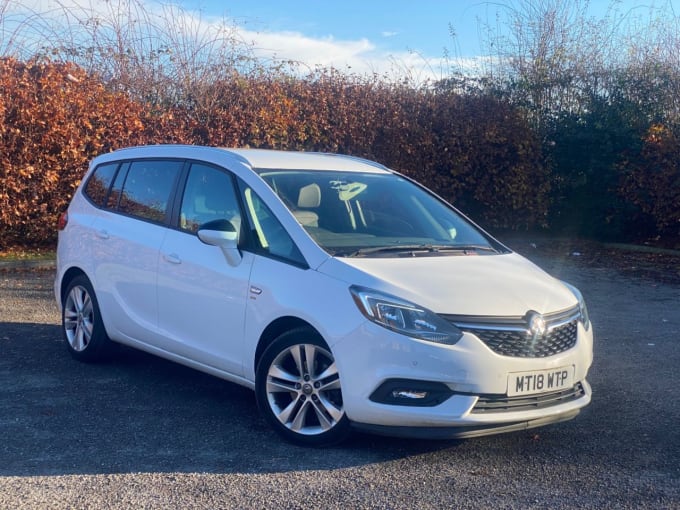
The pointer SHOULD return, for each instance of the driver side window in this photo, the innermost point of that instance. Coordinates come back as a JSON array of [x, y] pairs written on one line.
[[208, 195]]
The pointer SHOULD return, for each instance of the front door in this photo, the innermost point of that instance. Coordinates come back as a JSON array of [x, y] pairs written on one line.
[[201, 298]]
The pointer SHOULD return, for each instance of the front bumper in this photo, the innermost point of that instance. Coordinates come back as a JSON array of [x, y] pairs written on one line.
[[470, 370]]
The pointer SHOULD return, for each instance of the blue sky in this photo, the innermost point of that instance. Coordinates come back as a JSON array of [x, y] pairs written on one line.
[[375, 34], [368, 34], [383, 36], [396, 24]]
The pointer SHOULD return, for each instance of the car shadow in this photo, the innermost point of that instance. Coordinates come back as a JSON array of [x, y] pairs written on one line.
[[139, 413]]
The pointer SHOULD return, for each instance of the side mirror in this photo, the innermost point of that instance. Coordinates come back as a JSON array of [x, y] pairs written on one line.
[[221, 233]]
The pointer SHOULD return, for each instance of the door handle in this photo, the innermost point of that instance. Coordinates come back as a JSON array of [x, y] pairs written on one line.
[[102, 234], [173, 258]]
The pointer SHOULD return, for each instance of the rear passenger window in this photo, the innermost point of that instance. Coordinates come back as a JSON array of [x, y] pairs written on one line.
[[98, 184], [147, 188]]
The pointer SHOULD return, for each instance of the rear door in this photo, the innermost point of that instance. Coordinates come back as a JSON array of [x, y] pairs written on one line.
[[126, 237]]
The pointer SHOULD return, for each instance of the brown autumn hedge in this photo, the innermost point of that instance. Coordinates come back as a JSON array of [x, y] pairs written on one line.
[[474, 150], [53, 119], [651, 179]]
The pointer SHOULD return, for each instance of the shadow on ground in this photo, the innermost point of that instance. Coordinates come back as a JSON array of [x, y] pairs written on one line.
[[139, 413]]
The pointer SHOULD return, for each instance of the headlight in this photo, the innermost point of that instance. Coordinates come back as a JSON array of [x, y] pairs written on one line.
[[583, 309], [404, 317]]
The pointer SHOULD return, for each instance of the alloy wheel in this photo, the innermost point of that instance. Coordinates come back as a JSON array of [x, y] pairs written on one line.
[[78, 318], [303, 389]]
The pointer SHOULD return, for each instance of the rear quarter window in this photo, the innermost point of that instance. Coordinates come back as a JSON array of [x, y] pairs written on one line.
[[97, 187]]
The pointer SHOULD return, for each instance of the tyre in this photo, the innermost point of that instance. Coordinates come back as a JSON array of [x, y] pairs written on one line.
[[297, 386], [81, 322]]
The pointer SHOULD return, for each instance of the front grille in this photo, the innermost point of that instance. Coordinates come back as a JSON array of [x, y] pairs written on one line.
[[519, 344], [503, 404], [511, 336]]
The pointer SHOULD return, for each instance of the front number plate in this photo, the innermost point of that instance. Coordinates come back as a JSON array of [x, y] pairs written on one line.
[[540, 381]]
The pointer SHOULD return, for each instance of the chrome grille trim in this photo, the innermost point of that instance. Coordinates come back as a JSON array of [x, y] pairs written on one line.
[[511, 323], [504, 404], [510, 336]]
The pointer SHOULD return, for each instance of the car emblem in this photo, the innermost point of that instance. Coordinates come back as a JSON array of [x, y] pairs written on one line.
[[536, 325]]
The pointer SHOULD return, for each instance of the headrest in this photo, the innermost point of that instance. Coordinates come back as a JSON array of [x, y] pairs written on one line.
[[309, 196]]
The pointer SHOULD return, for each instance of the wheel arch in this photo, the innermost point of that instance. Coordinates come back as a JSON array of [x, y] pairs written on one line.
[[275, 329], [68, 276]]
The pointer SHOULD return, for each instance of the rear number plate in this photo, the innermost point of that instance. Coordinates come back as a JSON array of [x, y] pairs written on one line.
[[540, 381]]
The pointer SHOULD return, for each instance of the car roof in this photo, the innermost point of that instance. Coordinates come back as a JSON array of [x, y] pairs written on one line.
[[291, 160], [258, 159]]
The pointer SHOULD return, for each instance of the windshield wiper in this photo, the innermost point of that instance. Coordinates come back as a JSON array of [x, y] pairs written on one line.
[[466, 247], [400, 248]]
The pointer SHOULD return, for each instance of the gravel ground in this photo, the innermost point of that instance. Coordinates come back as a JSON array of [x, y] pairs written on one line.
[[140, 432]]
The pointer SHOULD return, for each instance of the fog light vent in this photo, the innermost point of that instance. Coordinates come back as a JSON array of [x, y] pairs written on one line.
[[407, 392]]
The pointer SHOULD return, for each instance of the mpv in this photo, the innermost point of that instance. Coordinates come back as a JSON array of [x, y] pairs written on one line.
[[344, 293]]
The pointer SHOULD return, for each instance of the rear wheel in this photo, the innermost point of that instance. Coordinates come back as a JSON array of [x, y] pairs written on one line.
[[82, 325], [298, 390]]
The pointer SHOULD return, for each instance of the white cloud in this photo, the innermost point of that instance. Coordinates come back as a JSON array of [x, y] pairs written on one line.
[[361, 56], [312, 51]]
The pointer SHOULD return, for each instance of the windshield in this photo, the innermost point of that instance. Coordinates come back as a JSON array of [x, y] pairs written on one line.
[[374, 214]]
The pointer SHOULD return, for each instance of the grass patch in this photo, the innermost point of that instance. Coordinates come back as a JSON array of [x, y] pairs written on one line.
[[27, 255]]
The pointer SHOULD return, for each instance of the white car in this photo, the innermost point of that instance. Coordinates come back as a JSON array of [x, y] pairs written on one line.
[[342, 292]]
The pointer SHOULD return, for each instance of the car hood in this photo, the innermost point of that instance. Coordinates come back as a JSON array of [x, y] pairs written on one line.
[[484, 285]]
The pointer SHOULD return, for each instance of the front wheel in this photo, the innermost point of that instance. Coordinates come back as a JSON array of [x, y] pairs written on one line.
[[297, 386]]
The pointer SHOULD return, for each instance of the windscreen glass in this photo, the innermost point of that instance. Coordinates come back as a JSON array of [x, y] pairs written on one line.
[[374, 214]]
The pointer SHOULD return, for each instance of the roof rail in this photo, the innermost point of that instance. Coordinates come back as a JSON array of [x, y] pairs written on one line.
[[354, 158]]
